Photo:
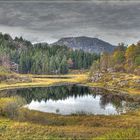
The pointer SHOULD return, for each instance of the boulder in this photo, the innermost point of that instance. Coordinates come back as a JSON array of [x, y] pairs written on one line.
[[96, 77]]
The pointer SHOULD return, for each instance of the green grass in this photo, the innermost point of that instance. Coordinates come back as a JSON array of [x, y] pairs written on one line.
[[30, 125], [4, 70], [123, 134], [71, 127], [112, 81], [40, 82]]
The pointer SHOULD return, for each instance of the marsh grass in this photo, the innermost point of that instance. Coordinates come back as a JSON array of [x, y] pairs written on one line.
[[123, 134], [9, 106], [38, 125], [30, 124]]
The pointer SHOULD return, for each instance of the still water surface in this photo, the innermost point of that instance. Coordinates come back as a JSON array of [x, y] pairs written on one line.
[[72, 99]]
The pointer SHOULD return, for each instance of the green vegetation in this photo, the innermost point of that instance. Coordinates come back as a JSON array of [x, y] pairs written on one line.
[[9, 77], [9, 106], [122, 134], [125, 82], [34, 124], [119, 70], [22, 56], [123, 59]]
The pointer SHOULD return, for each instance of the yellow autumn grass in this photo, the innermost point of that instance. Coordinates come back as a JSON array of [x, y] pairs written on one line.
[[35, 82], [37, 125], [46, 80]]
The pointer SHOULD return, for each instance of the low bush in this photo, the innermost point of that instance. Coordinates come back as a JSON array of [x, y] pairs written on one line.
[[9, 106]]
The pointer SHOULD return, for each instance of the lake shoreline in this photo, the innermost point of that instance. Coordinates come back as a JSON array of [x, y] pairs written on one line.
[[82, 79], [58, 126]]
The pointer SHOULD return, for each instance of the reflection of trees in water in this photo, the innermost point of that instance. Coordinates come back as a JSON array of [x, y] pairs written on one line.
[[115, 100], [7, 93], [66, 91], [54, 92], [118, 101]]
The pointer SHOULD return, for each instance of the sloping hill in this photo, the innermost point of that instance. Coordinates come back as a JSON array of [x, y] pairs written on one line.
[[86, 43]]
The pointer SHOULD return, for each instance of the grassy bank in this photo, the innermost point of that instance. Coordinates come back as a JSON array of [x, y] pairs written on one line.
[[114, 81], [38, 125], [37, 80], [10, 78], [128, 83]]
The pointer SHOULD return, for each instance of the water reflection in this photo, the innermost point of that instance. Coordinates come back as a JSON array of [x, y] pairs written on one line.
[[71, 99]]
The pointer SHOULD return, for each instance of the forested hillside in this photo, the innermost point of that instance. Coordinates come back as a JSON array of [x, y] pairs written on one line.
[[22, 56], [123, 59]]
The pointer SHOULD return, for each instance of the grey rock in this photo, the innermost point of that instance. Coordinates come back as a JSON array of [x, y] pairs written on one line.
[[96, 77], [137, 81], [123, 83]]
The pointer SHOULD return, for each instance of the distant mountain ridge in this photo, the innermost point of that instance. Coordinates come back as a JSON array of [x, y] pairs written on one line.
[[87, 44]]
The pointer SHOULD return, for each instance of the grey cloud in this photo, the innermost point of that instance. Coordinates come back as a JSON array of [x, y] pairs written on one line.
[[48, 21]]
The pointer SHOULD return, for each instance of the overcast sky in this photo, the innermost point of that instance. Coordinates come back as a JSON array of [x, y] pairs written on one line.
[[51, 20]]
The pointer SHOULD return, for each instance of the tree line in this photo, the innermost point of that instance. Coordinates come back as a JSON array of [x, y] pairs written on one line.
[[42, 58], [122, 59]]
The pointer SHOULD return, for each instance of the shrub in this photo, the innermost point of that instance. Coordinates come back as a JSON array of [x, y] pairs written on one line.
[[137, 71], [9, 106]]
